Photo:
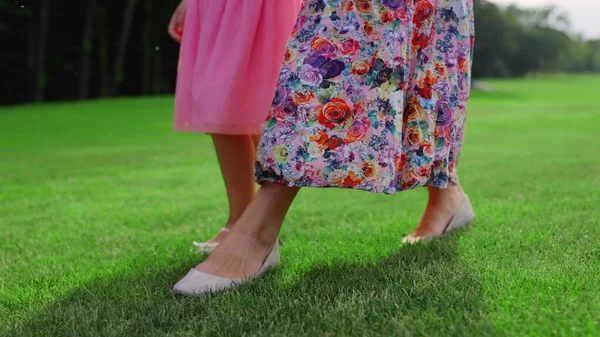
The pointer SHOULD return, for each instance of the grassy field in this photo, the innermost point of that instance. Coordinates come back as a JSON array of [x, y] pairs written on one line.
[[100, 201]]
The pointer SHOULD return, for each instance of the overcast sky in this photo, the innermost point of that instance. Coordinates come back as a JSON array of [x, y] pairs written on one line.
[[584, 14]]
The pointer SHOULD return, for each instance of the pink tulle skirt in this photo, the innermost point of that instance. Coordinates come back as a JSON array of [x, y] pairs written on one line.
[[230, 58]]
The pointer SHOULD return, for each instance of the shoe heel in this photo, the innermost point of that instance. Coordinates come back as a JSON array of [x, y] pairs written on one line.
[[464, 216]]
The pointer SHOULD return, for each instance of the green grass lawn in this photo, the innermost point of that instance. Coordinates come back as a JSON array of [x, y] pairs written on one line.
[[100, 201]]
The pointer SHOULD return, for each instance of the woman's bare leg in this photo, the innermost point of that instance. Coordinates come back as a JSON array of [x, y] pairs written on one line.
[[243, 250]]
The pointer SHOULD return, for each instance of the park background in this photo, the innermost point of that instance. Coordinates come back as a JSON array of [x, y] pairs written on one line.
[[100, 200], [65, 50]]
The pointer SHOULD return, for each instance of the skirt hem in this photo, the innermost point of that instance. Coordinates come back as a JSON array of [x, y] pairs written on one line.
[[220, 129], [300, 184]]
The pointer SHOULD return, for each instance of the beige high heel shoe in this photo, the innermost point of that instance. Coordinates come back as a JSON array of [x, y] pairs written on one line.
[[463, 216], [197, 283]]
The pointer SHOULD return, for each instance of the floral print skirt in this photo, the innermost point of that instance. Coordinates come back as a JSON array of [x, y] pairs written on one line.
[[372, 95]]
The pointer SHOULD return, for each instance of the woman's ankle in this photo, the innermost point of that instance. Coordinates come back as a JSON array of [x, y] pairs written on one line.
[[262, 232], [440, 195], [263, 218]]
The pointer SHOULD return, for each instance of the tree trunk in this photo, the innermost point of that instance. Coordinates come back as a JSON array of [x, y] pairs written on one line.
[[103, 50], [157, 79], [122, 48], [32, 38], [40, 68], [148, 51], [87, 46]]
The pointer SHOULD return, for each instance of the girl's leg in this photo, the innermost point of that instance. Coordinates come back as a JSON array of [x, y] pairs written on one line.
[[255, 140], [243, 250], [236, 154], [441, 207]]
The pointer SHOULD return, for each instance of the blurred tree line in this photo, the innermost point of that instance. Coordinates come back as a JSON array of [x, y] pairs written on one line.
[[63, 49], [513, 41]]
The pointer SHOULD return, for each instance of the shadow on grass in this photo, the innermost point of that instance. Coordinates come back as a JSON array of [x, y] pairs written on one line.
[[420, 290]]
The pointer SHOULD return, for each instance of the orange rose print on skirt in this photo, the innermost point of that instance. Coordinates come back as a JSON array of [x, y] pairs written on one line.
[[372, 95]]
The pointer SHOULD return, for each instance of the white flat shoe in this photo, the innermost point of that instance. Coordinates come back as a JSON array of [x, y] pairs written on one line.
[[197, 283], [463, 216], [208, 247]]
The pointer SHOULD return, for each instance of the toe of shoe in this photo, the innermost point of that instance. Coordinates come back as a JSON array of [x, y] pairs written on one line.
[[197, 283]]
